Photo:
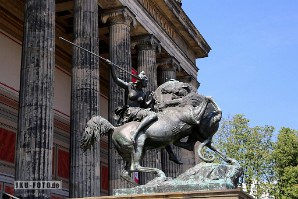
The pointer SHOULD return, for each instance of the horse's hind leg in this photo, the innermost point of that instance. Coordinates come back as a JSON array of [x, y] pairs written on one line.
[[159, 172], [125, 174], [137, 156]]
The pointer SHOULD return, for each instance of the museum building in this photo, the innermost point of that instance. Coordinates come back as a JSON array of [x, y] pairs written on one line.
[[49, 88]]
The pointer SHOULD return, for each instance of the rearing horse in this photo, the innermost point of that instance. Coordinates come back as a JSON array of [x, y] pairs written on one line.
[[174, 123]]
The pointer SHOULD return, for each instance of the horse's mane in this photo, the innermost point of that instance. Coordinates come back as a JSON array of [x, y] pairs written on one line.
[[192, 98]]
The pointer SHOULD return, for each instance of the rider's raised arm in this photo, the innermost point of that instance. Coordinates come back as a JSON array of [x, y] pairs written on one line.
[[118, 81]]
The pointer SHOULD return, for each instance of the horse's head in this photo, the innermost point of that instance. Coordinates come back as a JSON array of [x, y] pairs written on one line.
[[209, 122]]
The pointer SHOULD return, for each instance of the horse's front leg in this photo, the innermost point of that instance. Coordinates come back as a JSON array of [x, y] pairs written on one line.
[[208, 143], [225, 158]]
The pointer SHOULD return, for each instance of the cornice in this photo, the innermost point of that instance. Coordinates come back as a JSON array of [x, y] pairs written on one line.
[[159, 17], [188, 25]]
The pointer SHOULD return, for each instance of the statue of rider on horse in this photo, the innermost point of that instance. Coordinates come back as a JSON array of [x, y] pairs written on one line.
[[179, 112], [175, 111]]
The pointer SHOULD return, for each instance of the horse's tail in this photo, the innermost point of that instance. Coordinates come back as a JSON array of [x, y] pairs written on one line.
[[96, 127]]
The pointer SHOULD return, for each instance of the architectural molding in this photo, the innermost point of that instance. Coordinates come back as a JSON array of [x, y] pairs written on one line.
[[146, 42], [167, 43], [189, 79], [120, 15], [158, 16], [170, 63]]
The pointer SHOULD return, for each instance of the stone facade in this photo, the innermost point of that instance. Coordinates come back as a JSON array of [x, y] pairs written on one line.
[[152, 36]]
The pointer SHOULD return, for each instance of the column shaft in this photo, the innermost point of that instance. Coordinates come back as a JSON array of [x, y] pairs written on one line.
[[120, 54], [35, 120], [147, 63], [147, 45], [166, 75], [84, 167], [168, 67]]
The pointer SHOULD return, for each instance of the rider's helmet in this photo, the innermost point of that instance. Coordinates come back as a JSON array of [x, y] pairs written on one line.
[[142, 79]]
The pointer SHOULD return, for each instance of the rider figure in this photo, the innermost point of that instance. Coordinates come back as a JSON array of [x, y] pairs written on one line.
[[138, 108], [136, 97]]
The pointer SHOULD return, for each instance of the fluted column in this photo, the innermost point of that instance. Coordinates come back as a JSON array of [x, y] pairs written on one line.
[[147, 46], [84, 167], [120, 21], [35, 120], [167, 69]]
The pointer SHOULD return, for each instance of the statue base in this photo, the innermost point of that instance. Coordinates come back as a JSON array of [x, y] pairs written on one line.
[[225, 194], [202, 177]]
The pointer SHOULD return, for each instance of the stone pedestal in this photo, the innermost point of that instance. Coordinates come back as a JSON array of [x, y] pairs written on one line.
[[219, 194], [202, 177]]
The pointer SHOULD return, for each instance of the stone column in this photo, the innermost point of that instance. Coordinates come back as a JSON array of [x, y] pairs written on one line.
[[120, 21], [146, 46], [167, 69], [35, 120], [84, 167]]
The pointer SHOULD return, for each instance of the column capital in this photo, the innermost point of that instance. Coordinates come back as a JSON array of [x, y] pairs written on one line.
[[120, 15], [170, 63], [146, 42], [189, 79]]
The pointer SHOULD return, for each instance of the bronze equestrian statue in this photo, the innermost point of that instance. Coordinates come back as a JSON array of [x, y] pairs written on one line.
[[199, 120], [137, 107]]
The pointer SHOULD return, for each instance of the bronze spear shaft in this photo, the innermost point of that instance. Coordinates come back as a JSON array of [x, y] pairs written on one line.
[[104, 59]]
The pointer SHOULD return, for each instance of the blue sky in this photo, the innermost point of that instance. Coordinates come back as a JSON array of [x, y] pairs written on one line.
[[252, 68]]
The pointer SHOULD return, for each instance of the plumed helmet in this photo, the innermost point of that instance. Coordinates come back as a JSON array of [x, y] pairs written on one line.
[[143, 76]]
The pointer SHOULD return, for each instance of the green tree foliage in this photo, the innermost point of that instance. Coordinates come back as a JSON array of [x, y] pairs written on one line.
[[251, 146], [286, 163]]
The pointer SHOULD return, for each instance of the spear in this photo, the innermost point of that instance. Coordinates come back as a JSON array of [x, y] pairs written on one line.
[[104, 59]]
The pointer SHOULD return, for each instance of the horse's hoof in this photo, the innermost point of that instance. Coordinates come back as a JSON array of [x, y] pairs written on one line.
[[161, 175]]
